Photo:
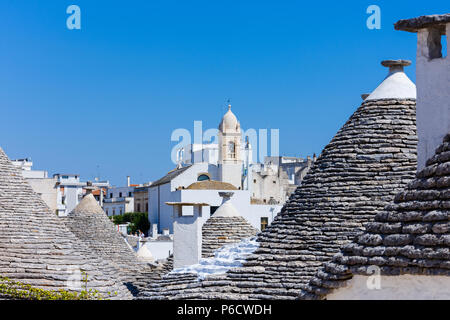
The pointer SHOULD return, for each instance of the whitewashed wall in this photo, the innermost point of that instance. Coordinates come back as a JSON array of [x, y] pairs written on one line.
[[72, 195], [240, 200], [433, 98], [157, 198], [168, 193], [187, 238], [189, 176], [46, 188], [404, 287], [160, 249]]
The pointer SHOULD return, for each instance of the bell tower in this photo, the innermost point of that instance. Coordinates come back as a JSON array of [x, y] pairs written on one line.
[[230, 157]]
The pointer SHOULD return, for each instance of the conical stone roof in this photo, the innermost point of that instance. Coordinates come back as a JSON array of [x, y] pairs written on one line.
[[36, 247], [224, 227], [222, 230], [92, 226], [411, 236], [369, 160]]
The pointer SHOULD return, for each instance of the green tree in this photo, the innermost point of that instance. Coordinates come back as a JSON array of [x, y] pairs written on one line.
[[137, 220]]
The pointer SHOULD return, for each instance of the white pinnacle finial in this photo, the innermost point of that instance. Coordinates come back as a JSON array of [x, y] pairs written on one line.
[[226, 209], [396, 85]]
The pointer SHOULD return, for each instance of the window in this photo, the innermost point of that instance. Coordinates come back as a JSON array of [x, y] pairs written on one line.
[[264, 223], [110, 195], [138, 207], [436, 43], [231, 150], [203, 177], [114, 212], [121, 211], [120, 194], [254, 180], [146, 207], [129, 194]]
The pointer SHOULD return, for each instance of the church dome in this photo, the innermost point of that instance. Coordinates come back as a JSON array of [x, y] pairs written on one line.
[[229, 121]]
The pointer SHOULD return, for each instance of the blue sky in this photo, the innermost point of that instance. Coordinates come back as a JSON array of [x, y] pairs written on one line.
[[105, 99]]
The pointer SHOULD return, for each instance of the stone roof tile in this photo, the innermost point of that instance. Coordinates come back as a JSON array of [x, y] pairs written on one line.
[[92, 226], [37, 248], [371, 159]]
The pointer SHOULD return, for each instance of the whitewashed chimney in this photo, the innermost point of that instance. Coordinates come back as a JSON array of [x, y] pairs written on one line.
[[432, 79], [187, 233], [154, 231]]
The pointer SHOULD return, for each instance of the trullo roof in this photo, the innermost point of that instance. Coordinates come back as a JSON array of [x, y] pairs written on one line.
[[370, 159], [93, 227], [37, 248], [411, 236]]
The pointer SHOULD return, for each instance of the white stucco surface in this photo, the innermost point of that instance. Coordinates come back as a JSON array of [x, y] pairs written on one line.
[[144, 254], [187, 238], [433, 98], [160, 249], [397, 85], [404, 287], [226, 210], [159, 212], [46, 188], [240, 200], [225, 258]]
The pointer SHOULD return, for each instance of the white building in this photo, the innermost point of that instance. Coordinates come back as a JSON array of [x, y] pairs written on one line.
[[46, 187], [273, 181], [71, 190], [62, 192], [204, 169], [119, 200], [197, 152], [277, 178]]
